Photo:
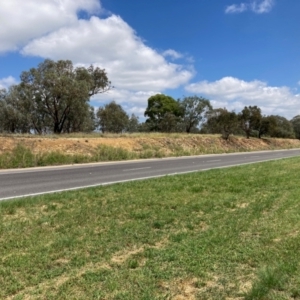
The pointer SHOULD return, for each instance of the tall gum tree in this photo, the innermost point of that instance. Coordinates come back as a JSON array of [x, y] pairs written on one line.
[[54, 90], [194, 111]]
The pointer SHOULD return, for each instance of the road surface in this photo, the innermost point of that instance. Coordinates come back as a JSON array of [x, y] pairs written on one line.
[[34, 181]]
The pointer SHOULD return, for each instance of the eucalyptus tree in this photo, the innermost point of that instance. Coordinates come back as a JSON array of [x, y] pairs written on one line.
[[56, 93], [12, 117], [250, 119], [133, 124], [194, 111], [222, 121], [112, 118], [280, 127], [296, 125]]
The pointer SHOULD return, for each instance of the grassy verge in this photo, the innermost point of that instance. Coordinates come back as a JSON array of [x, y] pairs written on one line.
[[29, 152], [22, 157], [222, 234]]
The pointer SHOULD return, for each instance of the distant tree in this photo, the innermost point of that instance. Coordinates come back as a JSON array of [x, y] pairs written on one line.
[[221, 121], [54, 92], [2, 104], [194, 110], [296, 125], [280, 127], [168, 123], [265, 126], [112, 118], [133, 124], [12, 117], [145, 127], [250, 119], [159, 107], [80, 120]]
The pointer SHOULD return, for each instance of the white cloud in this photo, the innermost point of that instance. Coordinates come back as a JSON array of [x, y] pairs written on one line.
[[5, 83], [258, 7], [262, 7], [112, 44], [172, 54], [23, 20], [236, 8], [234, 93]]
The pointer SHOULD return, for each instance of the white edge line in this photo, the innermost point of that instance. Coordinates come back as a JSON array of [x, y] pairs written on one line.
[[136, 169], [135, 179]]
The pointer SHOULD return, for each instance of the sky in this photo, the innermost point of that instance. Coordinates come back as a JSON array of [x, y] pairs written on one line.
[[235, 53]]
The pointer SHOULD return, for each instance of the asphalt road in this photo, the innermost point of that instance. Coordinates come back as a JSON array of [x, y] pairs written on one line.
[[35, 181]]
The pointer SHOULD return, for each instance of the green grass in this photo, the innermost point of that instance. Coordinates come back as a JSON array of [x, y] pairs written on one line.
[[222, 234], [22, 157]]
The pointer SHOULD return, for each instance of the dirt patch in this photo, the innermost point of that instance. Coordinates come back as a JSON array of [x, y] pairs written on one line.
[[182, 289], [121, 257]]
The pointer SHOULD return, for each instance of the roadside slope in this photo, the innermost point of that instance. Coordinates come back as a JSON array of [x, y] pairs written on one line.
[[26, 151]]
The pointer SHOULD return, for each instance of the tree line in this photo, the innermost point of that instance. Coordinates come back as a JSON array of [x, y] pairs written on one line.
[[55, 96]]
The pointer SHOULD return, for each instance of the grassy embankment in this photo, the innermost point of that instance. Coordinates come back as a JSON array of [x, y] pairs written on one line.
[[222, 234], [30, 151]]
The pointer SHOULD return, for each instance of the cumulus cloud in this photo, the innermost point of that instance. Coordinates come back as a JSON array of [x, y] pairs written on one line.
[[21, 21], [112, 44], [5, 83], [234, 93], [258, 7]]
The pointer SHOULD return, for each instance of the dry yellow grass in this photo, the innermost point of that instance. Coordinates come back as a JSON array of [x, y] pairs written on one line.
[[171, 144]]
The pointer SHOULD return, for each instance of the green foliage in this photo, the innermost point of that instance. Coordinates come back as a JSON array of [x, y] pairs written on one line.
[[265, 125], [280, 127], [162, 112], [296, 125], [112, 118], [53, 98], [250, 119], [133, 124], [221, 121], [194, 110]]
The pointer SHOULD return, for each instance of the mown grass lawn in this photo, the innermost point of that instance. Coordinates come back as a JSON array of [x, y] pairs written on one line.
[[222, 234]]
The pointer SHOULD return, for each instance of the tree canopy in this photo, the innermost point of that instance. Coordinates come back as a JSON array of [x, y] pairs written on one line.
[[250, 119], [222, 121], [159, 107], [296, 125], [194, 110], [112, 118], [54, 96]]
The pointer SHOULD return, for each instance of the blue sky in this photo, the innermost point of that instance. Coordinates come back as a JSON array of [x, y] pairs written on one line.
[[233, 52]]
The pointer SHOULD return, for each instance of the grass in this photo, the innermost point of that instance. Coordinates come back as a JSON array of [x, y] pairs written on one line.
[[222, 234], [22, 157]]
